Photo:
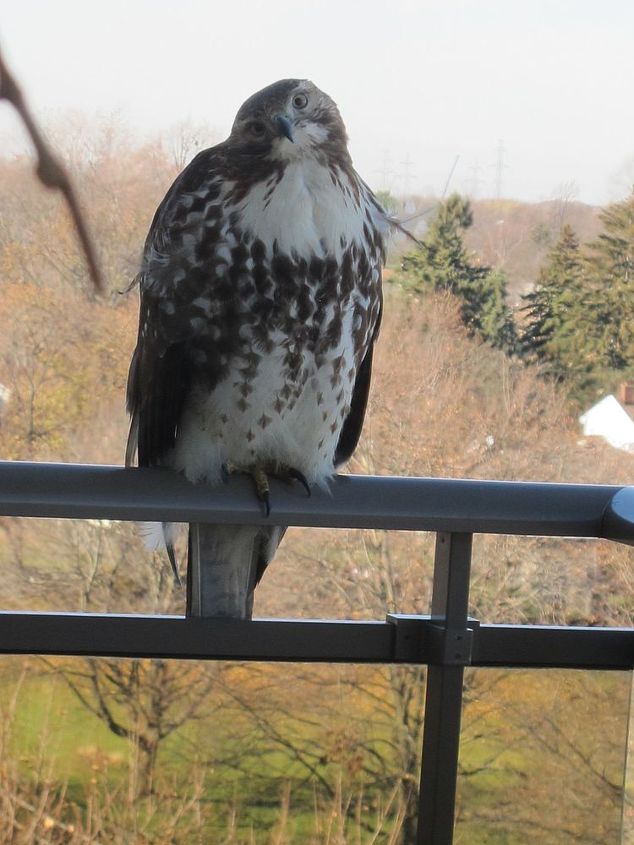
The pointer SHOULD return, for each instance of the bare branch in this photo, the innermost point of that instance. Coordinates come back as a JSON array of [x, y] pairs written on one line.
[[50, 171]]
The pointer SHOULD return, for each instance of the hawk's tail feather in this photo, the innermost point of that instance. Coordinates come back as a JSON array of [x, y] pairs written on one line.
[[160, 535], [133, 439], [225, 565], [169, 545]]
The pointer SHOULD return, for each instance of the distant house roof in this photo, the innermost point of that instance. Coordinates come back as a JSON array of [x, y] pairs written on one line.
[[609, 419]]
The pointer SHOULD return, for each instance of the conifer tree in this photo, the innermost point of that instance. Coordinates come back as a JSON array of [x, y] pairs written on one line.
[[580, 317], [443, 263], [610, 289], [555, 311], [493, 319]]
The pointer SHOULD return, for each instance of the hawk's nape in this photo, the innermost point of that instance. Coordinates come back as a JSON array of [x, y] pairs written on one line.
[[260, 307]]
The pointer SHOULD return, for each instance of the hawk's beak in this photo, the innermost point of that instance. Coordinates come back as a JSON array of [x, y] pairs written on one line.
[[284, 126]]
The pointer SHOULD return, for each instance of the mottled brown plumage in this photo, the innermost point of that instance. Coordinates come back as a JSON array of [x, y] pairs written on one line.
[[260, 302]]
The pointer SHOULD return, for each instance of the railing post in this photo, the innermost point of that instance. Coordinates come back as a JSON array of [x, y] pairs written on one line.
[[443, 697]]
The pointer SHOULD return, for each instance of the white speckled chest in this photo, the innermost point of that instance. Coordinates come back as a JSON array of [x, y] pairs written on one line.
[[300, 253]]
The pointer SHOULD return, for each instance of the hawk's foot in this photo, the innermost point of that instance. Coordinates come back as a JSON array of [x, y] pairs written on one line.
[[287, 474], [260, 474]]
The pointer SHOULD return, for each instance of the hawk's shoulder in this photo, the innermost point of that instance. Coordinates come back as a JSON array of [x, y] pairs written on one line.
[[184, 209]]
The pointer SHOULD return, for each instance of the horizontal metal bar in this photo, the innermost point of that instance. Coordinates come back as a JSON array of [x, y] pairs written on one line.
[[324, 641], [112, 635], [544, 646], [425, 504]]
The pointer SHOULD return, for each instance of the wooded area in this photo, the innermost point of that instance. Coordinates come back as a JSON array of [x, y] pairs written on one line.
[[468, 382]]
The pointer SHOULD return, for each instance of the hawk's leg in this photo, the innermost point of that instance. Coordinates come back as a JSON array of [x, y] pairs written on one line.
[[260, 474], [261, 478], [262, 490]]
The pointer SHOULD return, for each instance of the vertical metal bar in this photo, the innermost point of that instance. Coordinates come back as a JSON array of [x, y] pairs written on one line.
[[443, 696], [193, 600]]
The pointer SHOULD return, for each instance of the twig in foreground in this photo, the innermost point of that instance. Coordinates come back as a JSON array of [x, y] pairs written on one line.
[[49, 170]]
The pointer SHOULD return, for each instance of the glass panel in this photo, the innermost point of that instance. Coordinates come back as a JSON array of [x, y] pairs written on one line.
[[352, 574], [92, 565], [159, 751], [551, 581], [103, 566], [542, 757], [99, 565]]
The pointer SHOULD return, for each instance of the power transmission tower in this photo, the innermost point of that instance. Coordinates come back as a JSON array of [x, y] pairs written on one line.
[[407, 174], [475, 181], [499, 168], [385, 171]]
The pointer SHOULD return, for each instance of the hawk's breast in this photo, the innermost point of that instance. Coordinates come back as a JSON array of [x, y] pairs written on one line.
[[306, 298], [308, 209]]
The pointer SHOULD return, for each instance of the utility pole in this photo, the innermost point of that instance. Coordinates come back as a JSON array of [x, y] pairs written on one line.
[[385, 171], [476, 181], [499, 168], [407, 173]]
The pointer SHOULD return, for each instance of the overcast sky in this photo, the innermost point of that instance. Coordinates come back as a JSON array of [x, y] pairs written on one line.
[[420, 83]]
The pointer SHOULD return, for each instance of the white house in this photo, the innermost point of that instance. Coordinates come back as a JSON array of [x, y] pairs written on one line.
[[609, 419]]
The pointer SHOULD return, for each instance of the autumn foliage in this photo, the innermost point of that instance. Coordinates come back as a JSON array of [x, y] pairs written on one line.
[[272, 754]]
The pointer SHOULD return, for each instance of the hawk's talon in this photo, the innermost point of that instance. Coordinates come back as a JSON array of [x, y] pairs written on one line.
[[295, 475]]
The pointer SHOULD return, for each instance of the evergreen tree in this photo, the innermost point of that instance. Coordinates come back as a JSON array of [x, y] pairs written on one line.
[[442, 263], [610, 288], [555, 312], [580, 317], [493, 319]]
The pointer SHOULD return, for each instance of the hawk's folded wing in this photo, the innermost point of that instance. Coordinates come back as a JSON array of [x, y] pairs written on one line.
[[172, 274]]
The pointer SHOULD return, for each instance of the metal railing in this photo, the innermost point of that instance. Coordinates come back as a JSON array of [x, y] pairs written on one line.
[[447, 640]]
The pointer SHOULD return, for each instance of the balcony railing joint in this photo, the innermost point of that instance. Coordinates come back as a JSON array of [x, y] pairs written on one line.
[[451, 646], [422, 639]]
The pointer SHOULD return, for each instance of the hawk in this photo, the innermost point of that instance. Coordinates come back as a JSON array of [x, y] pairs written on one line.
[[260, 304]]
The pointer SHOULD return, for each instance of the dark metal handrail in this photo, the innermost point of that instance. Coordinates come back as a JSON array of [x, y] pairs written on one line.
[[83, 491]]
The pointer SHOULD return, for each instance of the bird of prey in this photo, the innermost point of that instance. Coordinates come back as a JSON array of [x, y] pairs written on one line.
[[260, 304]]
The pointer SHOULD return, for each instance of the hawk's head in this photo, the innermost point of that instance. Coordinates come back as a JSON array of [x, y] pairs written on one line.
[[290, 119]]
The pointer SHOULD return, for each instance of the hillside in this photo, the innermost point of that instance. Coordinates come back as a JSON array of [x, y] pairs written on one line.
[[515, 236], [510, 235], [159, 751]]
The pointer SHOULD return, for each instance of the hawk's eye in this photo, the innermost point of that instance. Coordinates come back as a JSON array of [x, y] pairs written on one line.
[[300, 101], [257, 128]]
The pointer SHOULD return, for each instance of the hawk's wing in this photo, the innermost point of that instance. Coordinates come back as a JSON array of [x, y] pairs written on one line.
[[161, 368], [351, 430]]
